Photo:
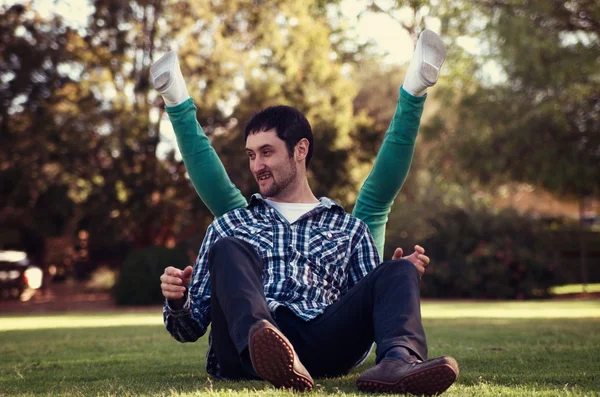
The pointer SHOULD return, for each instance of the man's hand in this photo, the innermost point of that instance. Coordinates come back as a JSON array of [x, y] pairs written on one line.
[[174, 283], [418, 258]]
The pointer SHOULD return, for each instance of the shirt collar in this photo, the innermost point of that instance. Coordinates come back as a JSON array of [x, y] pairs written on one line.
[[325, 201]]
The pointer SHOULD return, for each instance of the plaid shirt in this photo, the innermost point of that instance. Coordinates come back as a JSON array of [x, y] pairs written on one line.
[[308, 265]]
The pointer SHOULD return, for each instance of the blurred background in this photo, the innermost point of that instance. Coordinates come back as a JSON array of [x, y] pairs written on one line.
[[504, 190]]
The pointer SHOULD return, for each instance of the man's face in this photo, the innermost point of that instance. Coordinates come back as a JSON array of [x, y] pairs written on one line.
[[274, 169]]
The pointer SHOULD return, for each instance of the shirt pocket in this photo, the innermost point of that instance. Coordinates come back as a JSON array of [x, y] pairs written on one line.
[[259, 235], [328, 254]]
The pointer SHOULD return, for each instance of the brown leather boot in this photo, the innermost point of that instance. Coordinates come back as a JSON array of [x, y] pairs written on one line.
[[393, 375], [275, 360]]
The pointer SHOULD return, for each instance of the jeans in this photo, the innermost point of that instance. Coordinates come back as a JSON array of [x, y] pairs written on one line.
[[384, 307]]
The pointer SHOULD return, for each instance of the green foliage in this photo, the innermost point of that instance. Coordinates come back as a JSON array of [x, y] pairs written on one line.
[[377, 97], [566, 245], [138, 282], [479, 254], [475, 251], [288, 58], [80, 124], [537, 122], [410, 221], [43, 142]]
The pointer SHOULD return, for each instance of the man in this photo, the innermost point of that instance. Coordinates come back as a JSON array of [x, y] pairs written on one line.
[[292, 283]]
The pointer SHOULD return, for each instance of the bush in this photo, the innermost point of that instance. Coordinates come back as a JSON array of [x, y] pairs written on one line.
[[483, 255], [139, 279]]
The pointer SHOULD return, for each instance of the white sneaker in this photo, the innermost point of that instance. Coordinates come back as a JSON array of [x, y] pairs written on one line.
[[166, 78], [424, 68]]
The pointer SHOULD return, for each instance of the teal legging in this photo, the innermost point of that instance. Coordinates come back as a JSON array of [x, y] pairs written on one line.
[[376, 195]]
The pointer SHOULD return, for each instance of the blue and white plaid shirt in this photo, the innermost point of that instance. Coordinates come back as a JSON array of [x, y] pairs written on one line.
[[309, 264]]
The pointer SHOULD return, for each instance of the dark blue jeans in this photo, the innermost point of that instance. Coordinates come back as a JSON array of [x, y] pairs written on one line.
[[384, 307]]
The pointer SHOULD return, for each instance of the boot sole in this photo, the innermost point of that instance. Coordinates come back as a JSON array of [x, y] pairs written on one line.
[[273, 360], [434, 54], [428, 382]]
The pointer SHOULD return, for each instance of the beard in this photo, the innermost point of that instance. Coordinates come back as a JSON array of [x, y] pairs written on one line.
[[283, 182]]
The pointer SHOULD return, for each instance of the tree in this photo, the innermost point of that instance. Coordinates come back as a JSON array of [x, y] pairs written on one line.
[[44, 148], [81, 123], [286, 57], [538, 124], [547, 110]]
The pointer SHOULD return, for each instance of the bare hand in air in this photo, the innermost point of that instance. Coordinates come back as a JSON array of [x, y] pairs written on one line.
[[417, 258]]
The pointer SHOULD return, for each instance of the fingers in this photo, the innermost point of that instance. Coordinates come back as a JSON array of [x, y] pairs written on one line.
[[172, 288], [172, 285], [421, 260], [187, 272], [420, 269], [397, 254], [184, 275], [171, 291], [171, 280], [173, 271]]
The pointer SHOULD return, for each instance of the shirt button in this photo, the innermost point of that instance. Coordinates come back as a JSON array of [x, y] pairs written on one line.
[[329, 235]]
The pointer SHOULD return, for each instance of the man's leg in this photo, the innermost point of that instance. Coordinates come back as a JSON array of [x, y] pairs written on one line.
[[204, 167], [402, 364], [383, 307], [393, 160], [245, 338], [230, 364]]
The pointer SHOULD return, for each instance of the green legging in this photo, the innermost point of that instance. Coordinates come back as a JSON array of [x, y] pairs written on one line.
[[376, 195]]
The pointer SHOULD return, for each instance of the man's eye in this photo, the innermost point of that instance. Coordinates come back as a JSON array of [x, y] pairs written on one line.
[[251, 156], [267, 153]]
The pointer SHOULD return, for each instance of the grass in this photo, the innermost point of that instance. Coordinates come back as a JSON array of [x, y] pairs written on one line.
[[504, 349], [575, 289]]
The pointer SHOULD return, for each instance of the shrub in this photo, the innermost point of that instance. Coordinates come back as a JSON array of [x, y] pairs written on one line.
[[483, 255], [139, 280]]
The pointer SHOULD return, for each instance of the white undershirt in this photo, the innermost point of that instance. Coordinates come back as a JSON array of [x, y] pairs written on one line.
[[292, 211]]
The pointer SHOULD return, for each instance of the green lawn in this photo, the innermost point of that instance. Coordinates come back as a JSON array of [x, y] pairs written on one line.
[[574, 289], [504, 349]]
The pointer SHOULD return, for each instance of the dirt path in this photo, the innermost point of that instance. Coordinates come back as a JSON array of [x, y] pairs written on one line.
[[64, 298], [67, 298]]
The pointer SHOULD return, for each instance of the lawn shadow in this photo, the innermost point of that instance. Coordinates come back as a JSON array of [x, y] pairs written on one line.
[[336, 385]]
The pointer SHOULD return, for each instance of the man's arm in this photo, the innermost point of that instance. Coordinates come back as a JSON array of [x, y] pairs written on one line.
[[188, 322]]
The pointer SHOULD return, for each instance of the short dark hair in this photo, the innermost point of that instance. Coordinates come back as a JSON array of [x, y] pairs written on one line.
[[289, 123]]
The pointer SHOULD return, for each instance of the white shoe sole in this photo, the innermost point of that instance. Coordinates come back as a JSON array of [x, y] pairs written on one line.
[[433, 52], [160, 73]]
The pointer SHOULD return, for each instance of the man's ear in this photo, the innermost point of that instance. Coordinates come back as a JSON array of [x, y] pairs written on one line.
[[301, 150]]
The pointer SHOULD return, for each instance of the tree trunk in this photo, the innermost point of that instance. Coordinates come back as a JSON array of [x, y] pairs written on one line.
[[582, 245]]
